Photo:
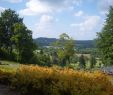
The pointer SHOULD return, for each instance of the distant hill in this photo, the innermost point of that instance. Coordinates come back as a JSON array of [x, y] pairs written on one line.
[[79, 43]]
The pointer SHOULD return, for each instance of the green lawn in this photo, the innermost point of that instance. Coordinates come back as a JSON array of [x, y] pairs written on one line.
[[9, 66], [12, 66]]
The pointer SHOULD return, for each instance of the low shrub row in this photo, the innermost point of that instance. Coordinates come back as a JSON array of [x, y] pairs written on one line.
[[6, 77], [34, 80]]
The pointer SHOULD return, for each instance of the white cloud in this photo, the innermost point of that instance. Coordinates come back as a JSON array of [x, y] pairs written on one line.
[[87, 28], [88, 25], [13, 1], [79, 13], [104, 5], [45, 25], [2, 9], [35, 7]]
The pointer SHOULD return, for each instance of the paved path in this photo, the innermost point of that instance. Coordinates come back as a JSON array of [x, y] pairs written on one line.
[[4, 90]]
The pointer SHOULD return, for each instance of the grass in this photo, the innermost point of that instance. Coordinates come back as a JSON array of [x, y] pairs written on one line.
[[9, 66], [76, 65], [13, 66]]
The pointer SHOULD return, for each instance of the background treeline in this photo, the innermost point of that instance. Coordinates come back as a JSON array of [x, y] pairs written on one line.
[[80, 44]]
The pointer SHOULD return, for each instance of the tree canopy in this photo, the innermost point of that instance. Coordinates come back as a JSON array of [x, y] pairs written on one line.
[[105, 40], [15, 37], [66, 48]]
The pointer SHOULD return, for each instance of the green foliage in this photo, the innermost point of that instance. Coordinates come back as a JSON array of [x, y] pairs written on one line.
[[40, 59], [7, 20], [92, 61], [54, 58], [74, 59], [16, 41], [23, 42], [65, 49], [105, 40], [82, 61], [5, 55]]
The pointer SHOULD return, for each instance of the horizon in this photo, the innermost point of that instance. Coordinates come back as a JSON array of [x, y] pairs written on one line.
[[58, 38], [80, 19]]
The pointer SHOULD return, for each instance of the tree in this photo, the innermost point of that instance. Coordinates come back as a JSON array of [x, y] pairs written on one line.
[[105, 40], [54, 58], [15, 37], [61, 56], [92, 61], [82, 61], [7, 20], [66, 47], [23, 41]]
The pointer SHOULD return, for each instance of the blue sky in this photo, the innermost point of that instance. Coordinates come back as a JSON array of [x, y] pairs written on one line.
[[80, 19]]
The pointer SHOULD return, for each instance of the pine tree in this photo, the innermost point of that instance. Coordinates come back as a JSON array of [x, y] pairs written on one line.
[[82, 61], [92, 61]]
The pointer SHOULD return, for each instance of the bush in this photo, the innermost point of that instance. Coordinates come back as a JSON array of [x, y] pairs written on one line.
[[40, 59], [34, 80], [34, 60], [6, 77], [5, 55]]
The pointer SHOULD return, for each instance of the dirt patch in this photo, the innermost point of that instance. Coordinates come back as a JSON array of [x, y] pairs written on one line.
[[4, 90]]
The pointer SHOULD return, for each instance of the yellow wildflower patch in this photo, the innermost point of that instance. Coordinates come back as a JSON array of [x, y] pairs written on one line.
[[35, 80]]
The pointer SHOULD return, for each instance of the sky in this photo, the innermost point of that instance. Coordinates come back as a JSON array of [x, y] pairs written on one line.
[[80, 19]]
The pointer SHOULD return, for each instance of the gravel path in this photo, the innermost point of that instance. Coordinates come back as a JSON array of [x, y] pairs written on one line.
[[4, 90]]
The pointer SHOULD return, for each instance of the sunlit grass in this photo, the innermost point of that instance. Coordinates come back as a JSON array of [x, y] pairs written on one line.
[[9, 66]]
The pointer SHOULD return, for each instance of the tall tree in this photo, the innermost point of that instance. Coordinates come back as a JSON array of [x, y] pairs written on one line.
[[105, 40], [66, 48], [23, 41], [92, 61], [7, 20], [82, 61], [15, 37]]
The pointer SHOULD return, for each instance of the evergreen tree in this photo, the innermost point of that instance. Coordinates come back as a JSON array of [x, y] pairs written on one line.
[[105, 40], [92, 61], [82, 61]]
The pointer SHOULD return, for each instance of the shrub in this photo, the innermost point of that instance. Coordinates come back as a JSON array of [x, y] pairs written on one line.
[[40, 59], [34, 80], [4, 54], [6, 77]]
